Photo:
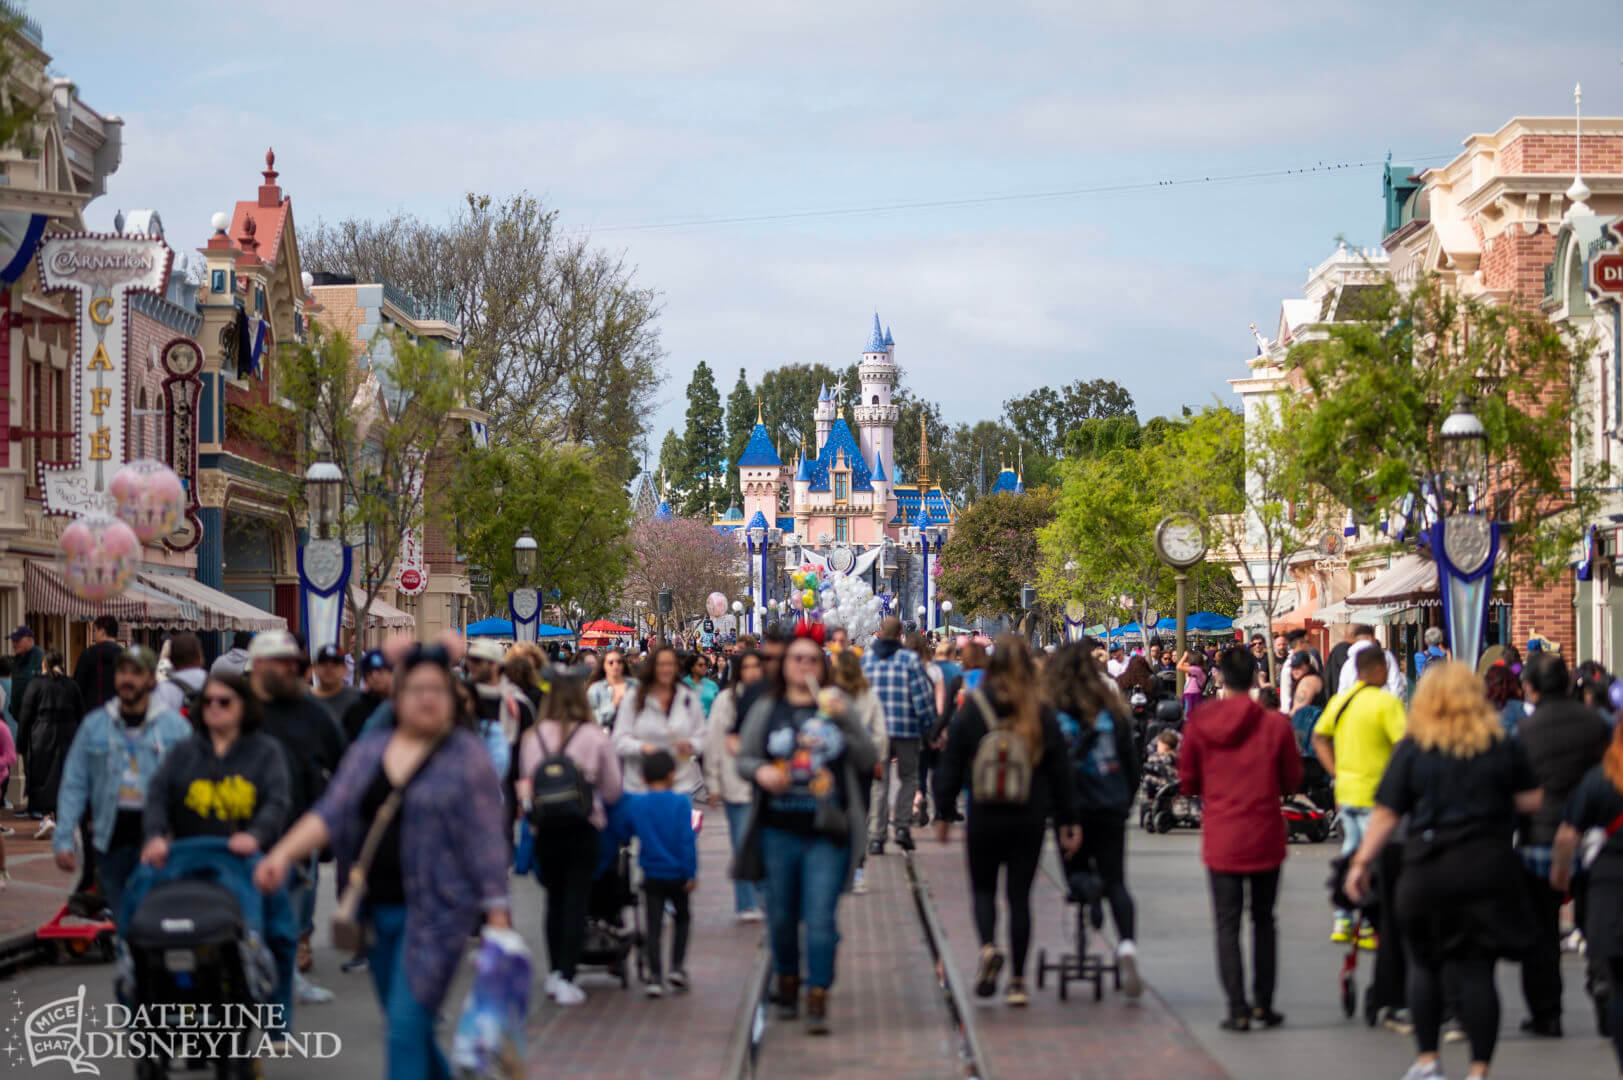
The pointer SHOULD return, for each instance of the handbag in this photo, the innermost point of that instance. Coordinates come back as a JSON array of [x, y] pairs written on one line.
[[1589, 847], [349, 934]]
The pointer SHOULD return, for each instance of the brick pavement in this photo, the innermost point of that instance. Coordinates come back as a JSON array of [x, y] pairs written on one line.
[[1114, 1038], [38, 888]]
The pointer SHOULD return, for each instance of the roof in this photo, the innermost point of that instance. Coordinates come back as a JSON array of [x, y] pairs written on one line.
[[889, 341], [879, 469], [786, 524], [823, 396], [909, 499], [760, 453], [1007, 483], [840, 439], [804, 473], [876, 343], [758, 521], [664, 510], [733, 513]]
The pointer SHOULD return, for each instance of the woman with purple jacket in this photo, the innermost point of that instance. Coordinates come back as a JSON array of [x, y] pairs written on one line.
[[442, 863]]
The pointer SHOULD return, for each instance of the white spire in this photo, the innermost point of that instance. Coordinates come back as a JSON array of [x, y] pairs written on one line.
[[1579, 192]]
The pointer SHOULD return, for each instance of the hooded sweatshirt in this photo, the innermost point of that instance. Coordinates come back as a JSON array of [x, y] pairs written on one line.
[[1240, 759]]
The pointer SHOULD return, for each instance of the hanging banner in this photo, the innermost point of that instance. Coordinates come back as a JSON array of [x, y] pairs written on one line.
[[525, 607], [1465, 548], [182, 366], [412, 577], [324, 567], [102, 271]]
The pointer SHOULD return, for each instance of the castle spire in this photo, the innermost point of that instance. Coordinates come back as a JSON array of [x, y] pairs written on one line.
[[876, 343], [924, 455]]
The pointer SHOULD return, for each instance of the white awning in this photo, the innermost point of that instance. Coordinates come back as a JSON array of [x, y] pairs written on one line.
[[382, 613], [1409, 581], [215, 610]]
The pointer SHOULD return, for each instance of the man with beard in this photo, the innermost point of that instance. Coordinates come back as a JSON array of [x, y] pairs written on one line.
[[115, 752], [310, 737]]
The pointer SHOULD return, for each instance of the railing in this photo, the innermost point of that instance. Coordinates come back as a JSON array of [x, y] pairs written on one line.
[[440, 309], [11, 9]]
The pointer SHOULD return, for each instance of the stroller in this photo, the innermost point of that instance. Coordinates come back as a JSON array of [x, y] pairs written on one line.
[[611, 945], [1310, 812], [1171, 809]]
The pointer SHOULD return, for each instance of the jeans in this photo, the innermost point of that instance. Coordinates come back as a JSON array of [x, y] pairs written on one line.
[[412, 1053], [804, 877], [114, 868], [656, 893], [1354, 820], [906, 753], [565, 859], [301, 893], [1228, 905], [744, 892], [991, 845]]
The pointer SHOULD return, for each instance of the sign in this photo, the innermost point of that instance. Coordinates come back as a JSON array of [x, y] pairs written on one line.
[[1606, 274], [101, 271], [182, 364], [411, 581], [412, 577]]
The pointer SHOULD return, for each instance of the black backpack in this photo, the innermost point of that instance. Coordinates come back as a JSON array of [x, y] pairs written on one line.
[[189, 699], [561, 795]]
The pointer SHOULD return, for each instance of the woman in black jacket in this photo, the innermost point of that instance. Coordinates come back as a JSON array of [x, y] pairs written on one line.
[[1098, 729], [1007, 834], [48, 718]]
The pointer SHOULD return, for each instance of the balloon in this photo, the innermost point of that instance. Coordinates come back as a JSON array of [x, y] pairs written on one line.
[[795, 601], [149, 498], [808, 599], [102, 555], [716, 605], [811, 581]]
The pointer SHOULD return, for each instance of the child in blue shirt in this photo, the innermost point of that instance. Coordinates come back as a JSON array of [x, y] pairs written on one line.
[[668, 852]]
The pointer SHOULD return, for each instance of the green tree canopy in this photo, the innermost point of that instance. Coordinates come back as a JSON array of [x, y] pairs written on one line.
[[1045, 416], [741, 413], [703, 479], [994, 550]]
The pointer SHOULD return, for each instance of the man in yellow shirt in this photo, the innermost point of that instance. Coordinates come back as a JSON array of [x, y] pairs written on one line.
[[1354, 740]]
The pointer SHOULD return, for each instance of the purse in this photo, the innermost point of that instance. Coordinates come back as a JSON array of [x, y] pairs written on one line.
[[349, 933], [1589, 846]]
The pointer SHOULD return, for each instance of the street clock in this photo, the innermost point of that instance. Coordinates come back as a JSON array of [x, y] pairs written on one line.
[[1179, 541]]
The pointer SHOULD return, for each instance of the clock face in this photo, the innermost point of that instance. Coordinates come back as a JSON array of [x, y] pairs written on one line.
[[1180, 541]]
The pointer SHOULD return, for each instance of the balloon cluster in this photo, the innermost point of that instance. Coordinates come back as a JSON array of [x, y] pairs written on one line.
[[842, 602], [101, 551]]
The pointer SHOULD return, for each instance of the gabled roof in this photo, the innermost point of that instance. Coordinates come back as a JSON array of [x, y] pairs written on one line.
[[760, 453], [733, 513], [840, 439]]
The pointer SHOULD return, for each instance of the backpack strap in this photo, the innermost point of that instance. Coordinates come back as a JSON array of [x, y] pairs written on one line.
[[989, 714], [1362, 686]]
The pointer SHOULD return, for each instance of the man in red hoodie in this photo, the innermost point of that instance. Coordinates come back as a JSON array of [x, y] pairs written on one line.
[[1241, 759]]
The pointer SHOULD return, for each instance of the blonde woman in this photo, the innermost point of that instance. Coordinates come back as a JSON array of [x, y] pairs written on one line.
[[1461, 900], [870, 716]]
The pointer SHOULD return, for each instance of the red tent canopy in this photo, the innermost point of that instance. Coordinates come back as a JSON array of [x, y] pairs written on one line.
[[604, 626]]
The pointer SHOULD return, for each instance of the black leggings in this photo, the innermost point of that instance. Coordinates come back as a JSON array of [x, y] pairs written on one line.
[[1470, 981], [1104, 851], [1614, 970], [565, 860], [992, 845]]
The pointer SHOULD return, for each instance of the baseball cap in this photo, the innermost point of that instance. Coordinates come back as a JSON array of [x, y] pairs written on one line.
[[329, 654], [273, 645], [486, 650], [141, 656], [374, 661], [20, 633]]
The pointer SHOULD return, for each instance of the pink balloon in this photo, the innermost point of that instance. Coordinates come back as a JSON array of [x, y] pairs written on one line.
[[716, 605], [101, 555], [149, 498]]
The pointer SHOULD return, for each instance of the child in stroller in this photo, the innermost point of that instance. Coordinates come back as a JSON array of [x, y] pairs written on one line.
[[1163, 808]]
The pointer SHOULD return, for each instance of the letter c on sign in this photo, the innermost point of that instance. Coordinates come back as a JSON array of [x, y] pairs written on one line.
[[101, 310]]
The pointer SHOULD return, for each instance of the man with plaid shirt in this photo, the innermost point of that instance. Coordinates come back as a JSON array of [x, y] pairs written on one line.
[[903, 691]]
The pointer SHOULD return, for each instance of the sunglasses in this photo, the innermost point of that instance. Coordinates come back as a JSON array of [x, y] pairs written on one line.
[[224, 701]]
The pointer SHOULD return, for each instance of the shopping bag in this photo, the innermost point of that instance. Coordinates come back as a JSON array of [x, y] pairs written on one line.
[[523, 848], [489, 1039]]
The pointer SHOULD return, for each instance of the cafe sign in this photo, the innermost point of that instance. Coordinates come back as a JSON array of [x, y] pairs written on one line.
[[101, 271]]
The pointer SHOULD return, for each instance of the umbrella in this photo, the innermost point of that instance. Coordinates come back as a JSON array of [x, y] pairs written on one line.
[[503, 628]]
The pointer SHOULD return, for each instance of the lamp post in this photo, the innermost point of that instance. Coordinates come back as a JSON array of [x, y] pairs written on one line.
[[759, 542], [1464, 544], [524, 602], [664, 607], [324, 560], [946, 615]]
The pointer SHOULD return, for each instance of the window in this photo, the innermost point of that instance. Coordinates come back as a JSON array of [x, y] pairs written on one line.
[[841, 492], [840, 535], [217, 281], [876, 399]]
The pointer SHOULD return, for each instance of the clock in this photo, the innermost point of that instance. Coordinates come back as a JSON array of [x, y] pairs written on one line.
[[1179, 540]]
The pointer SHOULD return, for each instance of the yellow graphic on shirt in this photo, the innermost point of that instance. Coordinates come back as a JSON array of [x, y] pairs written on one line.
[[231, 799]]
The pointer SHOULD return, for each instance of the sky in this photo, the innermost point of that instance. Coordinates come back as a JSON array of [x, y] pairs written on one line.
[[1039, 129]]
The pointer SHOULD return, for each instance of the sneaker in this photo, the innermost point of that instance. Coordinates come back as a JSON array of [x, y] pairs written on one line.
[[876, 847], [1545, 1029], [1235, 1022], [1368, 938], [353, 964], [306, 992], [46, 828], [5, 880], [991, 963], [859, 883], [1431, 1070], [1398, 1020], [1127, 962], [904, 838], [7, 830], [1341, 931], [653, 990], [1266, 1018], [678, 981], [568, 993], [752, 915], [1573, 943], [553, 979], [1015, 995], [1453, 1032]]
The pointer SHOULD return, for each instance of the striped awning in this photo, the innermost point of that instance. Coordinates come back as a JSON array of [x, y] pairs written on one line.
[[381, 614], [46, 592], [215, 610]]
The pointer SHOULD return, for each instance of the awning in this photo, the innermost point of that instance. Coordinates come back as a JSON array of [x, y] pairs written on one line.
[[382, 613], [604, 626], [1337, 612], [215, 610], [1297, 617], [46, 592], [1412, 580]]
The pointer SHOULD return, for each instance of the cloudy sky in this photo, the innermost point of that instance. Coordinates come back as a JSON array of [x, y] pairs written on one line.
[[650, 123]]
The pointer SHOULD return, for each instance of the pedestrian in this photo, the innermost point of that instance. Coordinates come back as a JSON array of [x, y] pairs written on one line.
[[1353, 740], [1006, 824], [1097, 725], [502, 711], [8, 758], [1192, 666], [377, 687], [567, 833], [234, 661], [805, 826], [846, 668], [1505, 691], [332, 687], [49, 718], [523, 669], [668, 852], [662, 714], [27, 663], [116, 751], [608, 687], [903, 689], [1337, 658], [1462, 902], [1306, 683], [1364, 638], [726, 787], [1432, 652], [1564, 739], [426, 789], [699, 681], [920, 646], [1116, 665], [1241, 760], [179, 689]]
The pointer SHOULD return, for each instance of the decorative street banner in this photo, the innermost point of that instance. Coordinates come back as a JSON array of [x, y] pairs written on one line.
[[324, 567], [525, 606], [182, 384], [1465, 548], [412, 577], [101, 271]]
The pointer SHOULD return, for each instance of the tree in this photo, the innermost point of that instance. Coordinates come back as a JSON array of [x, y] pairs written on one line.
[[561, 342], [687, 556], [741, 415], [914, 411], [994, 550], [578, 513], [704, 448], [16, 116], [789, 400], [1376, 392], [672, 460], [1101, 434], [1045, 416]]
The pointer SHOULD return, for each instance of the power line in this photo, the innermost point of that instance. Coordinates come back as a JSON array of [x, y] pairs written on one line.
[[1320, 168]]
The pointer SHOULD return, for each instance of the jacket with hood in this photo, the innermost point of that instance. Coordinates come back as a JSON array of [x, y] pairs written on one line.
[[1241, 760]]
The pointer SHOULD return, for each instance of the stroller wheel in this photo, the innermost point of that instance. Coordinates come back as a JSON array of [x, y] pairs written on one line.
[[1349, 996], [1165, 821]]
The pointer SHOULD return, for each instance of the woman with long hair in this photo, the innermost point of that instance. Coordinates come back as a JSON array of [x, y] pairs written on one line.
[[870, 715], [1097, 726], [810, 767], [726, 787], [609, 685], [697, 678], [441, 866], [566, 854], [1505, 692], [1005, 836], [1461, 899], [1194, 669], [660, 714]]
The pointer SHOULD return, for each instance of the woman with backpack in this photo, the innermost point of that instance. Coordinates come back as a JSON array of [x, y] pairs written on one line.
[[1007, 747], [48, 718], [577, 756], [1104, 762], [661, 714]]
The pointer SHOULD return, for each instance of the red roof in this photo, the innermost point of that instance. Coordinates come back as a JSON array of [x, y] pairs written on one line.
[[604, 626], [268, 213]]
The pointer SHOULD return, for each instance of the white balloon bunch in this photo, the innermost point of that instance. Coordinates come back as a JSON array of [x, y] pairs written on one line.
[[849, 603]]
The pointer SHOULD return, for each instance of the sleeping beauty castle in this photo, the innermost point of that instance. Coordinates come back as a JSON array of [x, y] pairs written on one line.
[[841, 506]]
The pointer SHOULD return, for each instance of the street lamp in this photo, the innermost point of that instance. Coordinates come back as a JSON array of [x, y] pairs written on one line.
[[323, 494], [946, 614], [1464, 453], [524, 602], [524, 554], [324, 560], [1464, 545]]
